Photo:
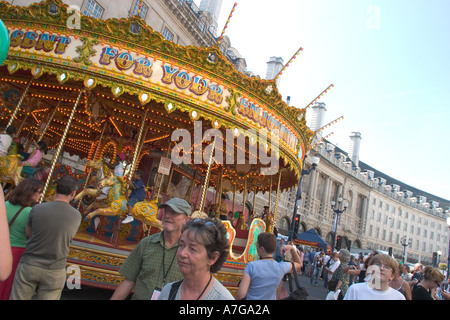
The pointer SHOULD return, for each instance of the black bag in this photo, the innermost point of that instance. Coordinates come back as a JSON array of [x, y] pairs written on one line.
[[174, 289], [300, 293]]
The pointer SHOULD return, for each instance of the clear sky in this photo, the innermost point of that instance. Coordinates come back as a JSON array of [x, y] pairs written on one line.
[[389, 61]]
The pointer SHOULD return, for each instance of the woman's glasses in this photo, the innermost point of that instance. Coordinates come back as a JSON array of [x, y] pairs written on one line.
[[380, 265], [208, 224]]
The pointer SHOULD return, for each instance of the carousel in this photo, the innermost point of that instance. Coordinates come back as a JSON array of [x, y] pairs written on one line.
[[116, 90]]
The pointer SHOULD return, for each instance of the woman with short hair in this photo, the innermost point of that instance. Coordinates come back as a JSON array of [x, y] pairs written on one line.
[[203, 249], [261, 278]]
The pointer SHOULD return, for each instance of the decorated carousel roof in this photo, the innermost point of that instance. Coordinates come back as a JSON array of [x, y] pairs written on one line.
[[122, 70]]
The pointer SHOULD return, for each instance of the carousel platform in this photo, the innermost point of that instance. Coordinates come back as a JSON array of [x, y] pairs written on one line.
[[98, 250]]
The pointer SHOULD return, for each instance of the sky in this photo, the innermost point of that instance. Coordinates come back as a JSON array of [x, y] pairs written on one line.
[[390, 66]]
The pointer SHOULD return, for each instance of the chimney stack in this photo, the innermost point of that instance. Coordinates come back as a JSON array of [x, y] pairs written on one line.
[[318, 115], [274, 66], [355, 145]]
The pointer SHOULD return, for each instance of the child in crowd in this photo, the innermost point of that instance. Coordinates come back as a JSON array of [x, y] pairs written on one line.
[[137, 187], [332, 293], [36, 156]]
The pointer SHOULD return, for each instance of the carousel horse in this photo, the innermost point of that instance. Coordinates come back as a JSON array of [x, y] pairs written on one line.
[[10, 169], [147, 212], [115, 203], [102, 172]]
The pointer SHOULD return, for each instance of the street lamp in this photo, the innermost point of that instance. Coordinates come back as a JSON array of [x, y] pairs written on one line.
[[405, 242], [338, 208], [298, 199]]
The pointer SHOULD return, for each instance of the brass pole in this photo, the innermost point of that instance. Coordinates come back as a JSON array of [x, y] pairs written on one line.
[[23, 123], [205, 186], [161, 176], [270, 194], [234, 196], [169, 179], [191, 191], [93, 158], [254, 203], [19, 104], [49, 121], [219, 189], [278, 195], [95, 154], [138, 143], [244, 196], [61, 143]]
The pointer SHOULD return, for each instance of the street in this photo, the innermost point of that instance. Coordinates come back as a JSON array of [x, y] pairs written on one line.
[[91, 293]]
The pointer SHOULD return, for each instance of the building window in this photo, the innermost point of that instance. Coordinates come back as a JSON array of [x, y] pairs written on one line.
[[93, 9], [135, 10], [167, 34], [202, 26]]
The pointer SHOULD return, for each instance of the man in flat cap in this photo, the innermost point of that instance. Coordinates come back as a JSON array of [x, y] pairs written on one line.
[[152, 263]]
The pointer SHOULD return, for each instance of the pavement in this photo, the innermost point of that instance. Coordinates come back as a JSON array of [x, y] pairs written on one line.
[[90, 293], [318, 292]]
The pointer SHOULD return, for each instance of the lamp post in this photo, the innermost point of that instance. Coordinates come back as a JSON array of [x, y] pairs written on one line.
[[298, 199], [405, 242], [338, 207]]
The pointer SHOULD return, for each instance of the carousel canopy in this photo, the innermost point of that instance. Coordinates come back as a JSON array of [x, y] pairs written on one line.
[[127, 78]]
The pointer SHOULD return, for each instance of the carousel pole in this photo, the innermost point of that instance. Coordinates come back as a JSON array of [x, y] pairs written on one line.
[[219, 191], [61, 143], [138, 145], [234, 196], [49, 121], [23, 122], [169, 179], [208, 173], [19, 104], [271, 224], [191, 191], [270, 194], [95, 156], [254, 203], [244, 197], [161, 176]]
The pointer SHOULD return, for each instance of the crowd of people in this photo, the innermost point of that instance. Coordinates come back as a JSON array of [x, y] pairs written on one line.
[[376, 277], [179, 263]]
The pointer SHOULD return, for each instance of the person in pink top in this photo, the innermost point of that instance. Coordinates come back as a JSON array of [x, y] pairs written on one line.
[[36, 156]]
